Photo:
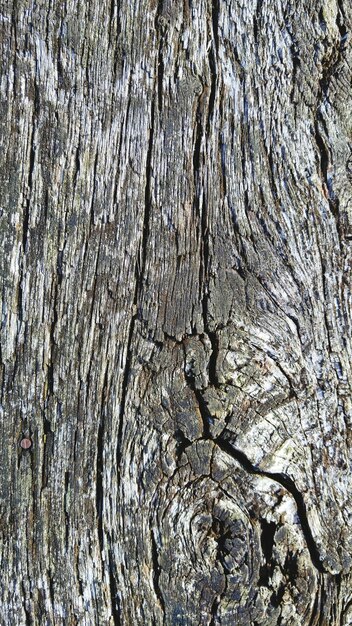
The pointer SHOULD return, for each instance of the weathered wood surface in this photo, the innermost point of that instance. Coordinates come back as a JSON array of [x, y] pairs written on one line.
[[176, 231]]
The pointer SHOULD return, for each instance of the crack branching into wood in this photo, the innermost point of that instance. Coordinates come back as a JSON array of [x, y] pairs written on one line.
[[287, 482], [289, 485]]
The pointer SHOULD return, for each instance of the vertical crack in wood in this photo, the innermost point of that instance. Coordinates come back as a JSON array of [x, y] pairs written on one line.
[[139, 275], [99, 487], [325, 169], [48, 448], [215, 10], [26, 215], [147, 196], [160, 60], [66, 507], [212, 60], [30, 187], [156, 573], [115, 605]]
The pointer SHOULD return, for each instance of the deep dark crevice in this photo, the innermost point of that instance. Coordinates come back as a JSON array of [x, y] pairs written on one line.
[[291, 566], [323, 154], [67, 517], [265, 573], [289, 485], [215, 11], [276, 596], [156, 572], [326, 298], [214, 611], [197, 158], [273, 174], [160, 74], [182, 443], [99, 493], [341, 26], [53, 342], [48, 450], [115, 606], [160, 60], [93, 190], [212, 61], [255, 30], [20, 300], [99, 487], [214, 340], [159, 12], [14, 23], [59, 266], [78, 163], [147, 196], [213, 75], [268, 530], [25, 231], [222, 148], [213, 337], [203, 269]]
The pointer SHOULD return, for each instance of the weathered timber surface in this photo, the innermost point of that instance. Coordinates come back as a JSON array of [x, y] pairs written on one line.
[[176, 232]]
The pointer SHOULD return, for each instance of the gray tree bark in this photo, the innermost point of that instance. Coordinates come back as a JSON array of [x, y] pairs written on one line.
[[176, 228]]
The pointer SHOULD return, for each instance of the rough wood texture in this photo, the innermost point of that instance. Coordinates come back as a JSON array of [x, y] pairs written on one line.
[[176, 231]]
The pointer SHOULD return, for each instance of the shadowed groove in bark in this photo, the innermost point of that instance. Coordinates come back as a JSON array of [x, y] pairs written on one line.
[[115, 605], [139, 275], [156, 573]]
